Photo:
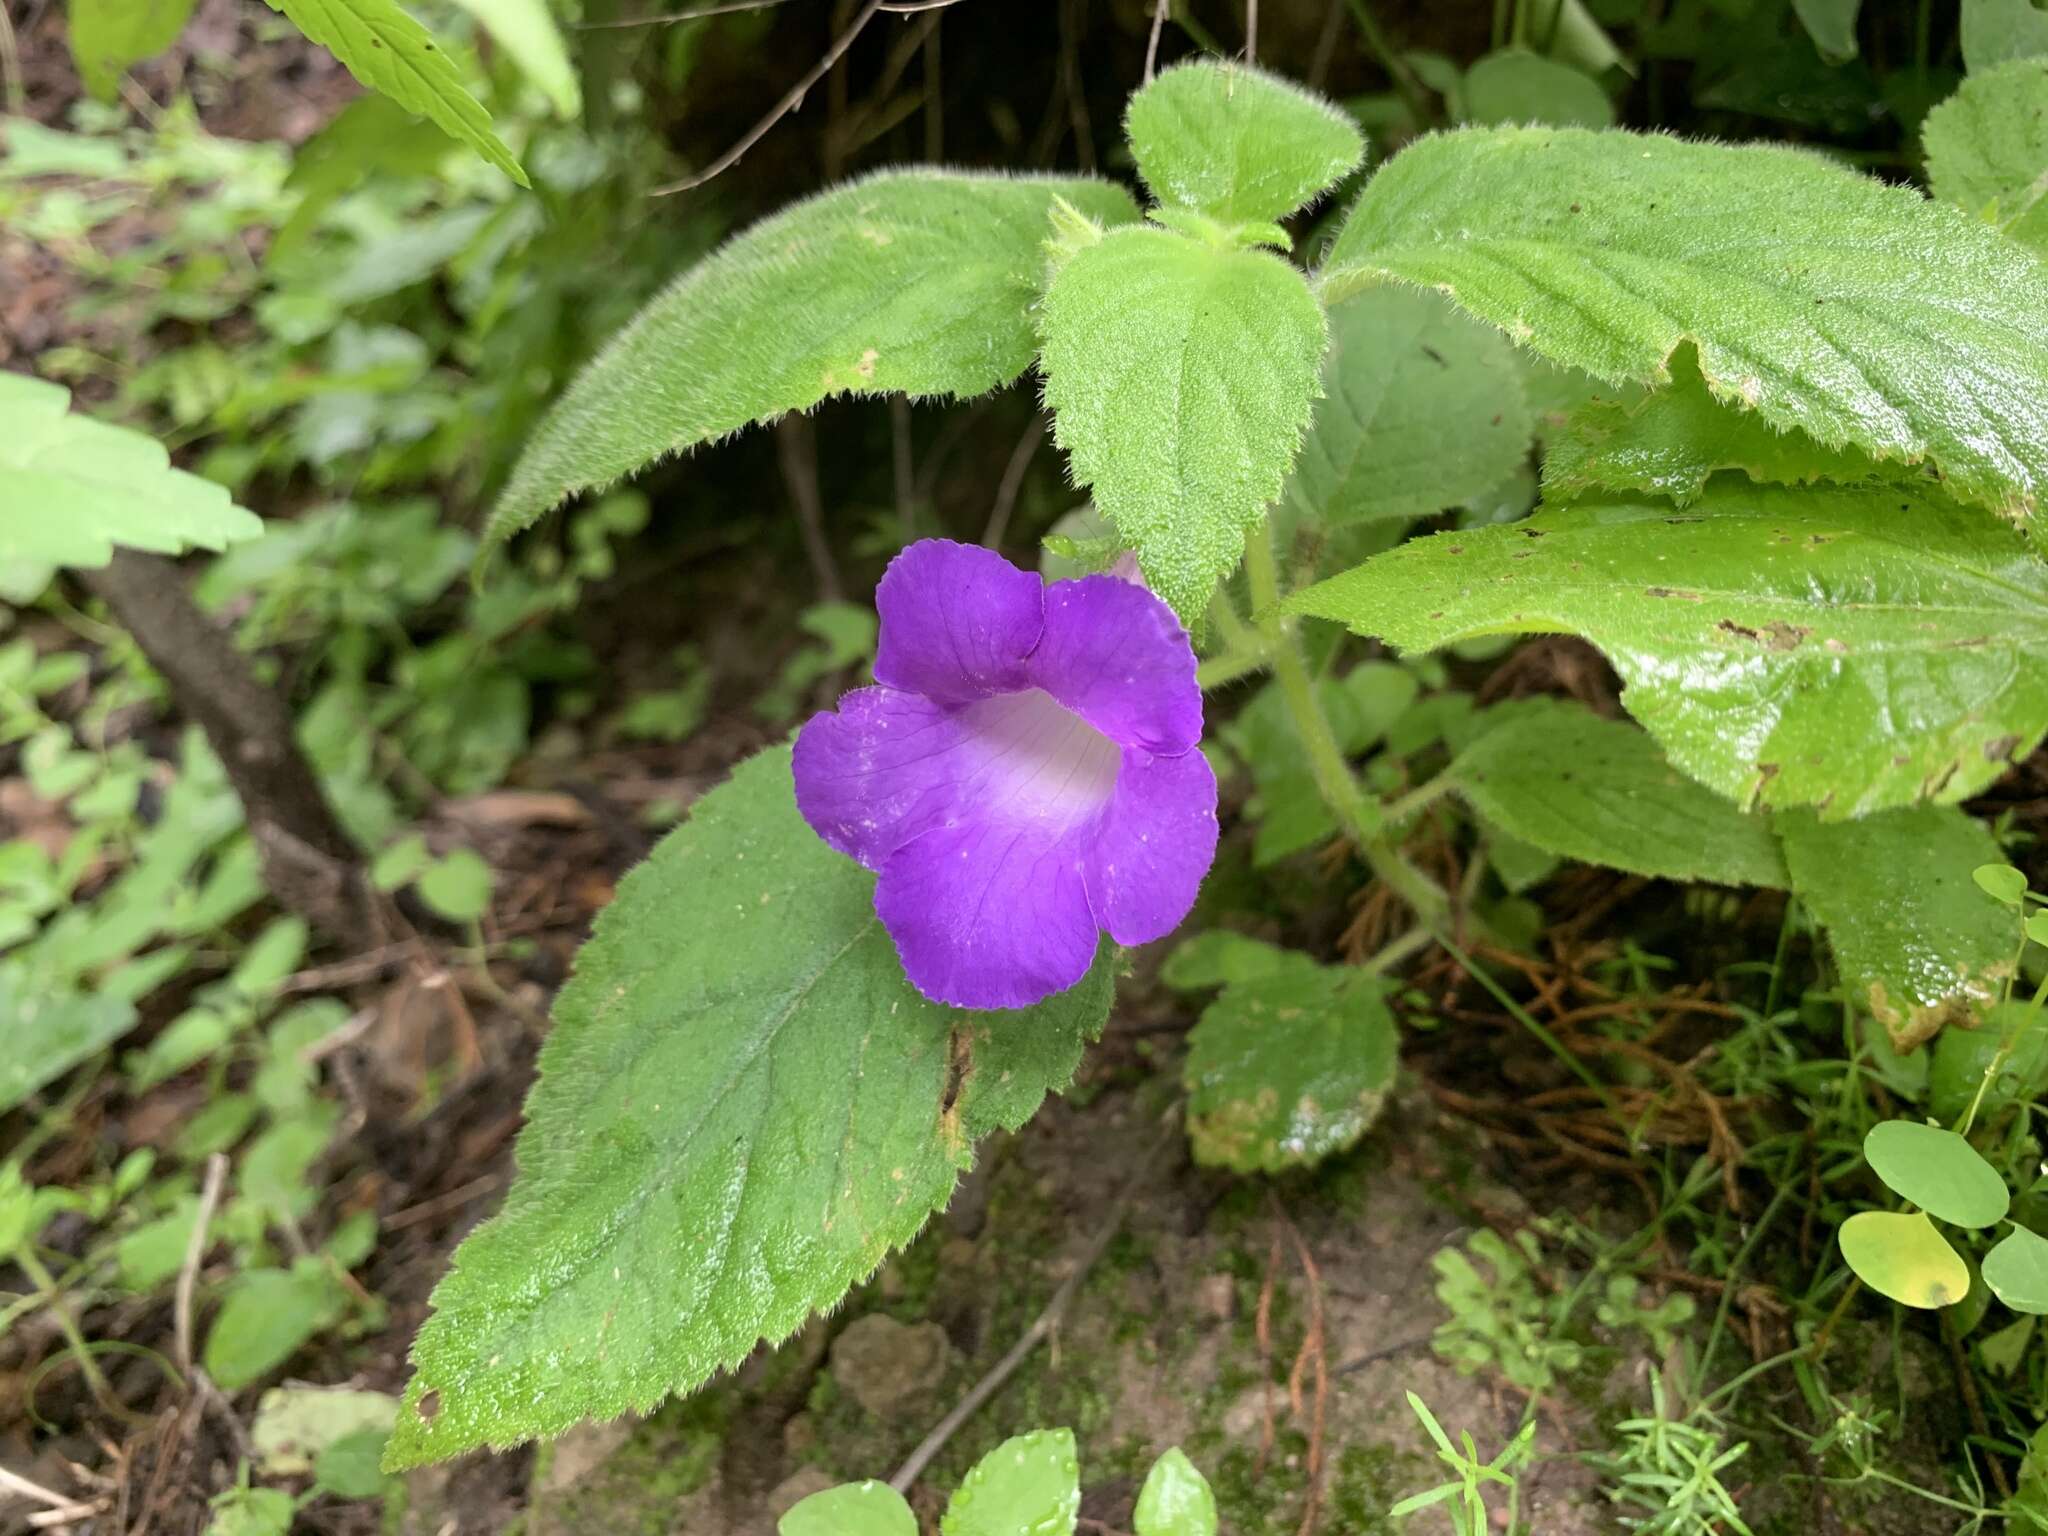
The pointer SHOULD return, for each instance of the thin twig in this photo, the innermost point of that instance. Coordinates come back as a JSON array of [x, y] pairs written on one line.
[[14, 1482], [1251, 31], [1043, 1325], [1011, 483], [791, 100], [195, 1250], [798, 450], [1152, 42], [671, 18]]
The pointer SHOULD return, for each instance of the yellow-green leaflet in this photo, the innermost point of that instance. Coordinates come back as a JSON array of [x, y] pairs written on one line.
[[72, 488]]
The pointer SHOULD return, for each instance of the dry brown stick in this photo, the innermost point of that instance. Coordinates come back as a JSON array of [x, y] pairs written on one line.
[[797, 447], [791, 100], [1012, 483], [1152, 42], [195, 1251], [1041, 1327]]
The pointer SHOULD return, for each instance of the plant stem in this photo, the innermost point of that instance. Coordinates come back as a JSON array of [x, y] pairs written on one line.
[[53, 1298], [1376, 44], [1357, 812], [1416, 800]]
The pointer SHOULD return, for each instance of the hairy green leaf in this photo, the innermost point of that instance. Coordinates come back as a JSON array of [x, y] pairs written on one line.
[[1899, 1254], [1236, 143], [1937, 1170], [1672, 440], [1514, 85], [389, 52], [1030, 1485], [2017, 1271], [49, 1029], [1560, 777], [1181, 376], [1853, 648], [1915, 939], [743, 1107], [1987, 149], [1288, 1068], [919, 282], [1994, 31], [109, 35], [72, 488], [852, 1509], [1422, 408], [1176, 1499], [1858, 313], [526, 30]]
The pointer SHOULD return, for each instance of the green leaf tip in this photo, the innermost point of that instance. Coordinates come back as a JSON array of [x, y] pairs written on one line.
[[391, 53], [917, 281], [742, 1109], [1227, 139]]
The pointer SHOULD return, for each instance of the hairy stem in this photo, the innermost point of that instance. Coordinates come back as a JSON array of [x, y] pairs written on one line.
[[1357, 812]]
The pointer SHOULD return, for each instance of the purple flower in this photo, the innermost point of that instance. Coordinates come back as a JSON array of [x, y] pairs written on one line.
[[1025, 776]]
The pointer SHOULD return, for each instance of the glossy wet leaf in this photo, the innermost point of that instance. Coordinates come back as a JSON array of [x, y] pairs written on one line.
[[1859, 313], [1514, 85], [1915, 939], [1993, 31], [72, 488], [49, 1030], [1987, 149], [1422, 408], [1900, 1255], [915, 282], [852, 1509], [1027, 1486], [1176, 1499], [109, 35], [742, 1109], [1674, 439], [1565, 780], [1759, 632], [2017, 1271], [1180, 375], [1937, 1170], [388, 51], [1236, 143], [1286, 1069]]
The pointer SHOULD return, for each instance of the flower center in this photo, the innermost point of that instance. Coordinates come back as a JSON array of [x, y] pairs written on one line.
[[1040, 759]]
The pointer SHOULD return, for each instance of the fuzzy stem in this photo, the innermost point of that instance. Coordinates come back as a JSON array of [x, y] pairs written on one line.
[[1359, 814]]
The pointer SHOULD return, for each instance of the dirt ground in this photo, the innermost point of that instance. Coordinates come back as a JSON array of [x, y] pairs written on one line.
[[1160, 1347]]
